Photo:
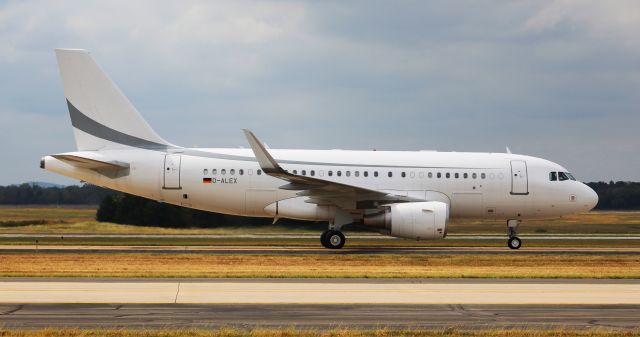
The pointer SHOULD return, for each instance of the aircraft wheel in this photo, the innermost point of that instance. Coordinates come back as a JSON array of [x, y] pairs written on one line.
[[334, 239], [514, 242], [324, 240]]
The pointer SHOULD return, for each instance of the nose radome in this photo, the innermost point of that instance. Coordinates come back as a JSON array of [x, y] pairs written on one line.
[[590, 198]]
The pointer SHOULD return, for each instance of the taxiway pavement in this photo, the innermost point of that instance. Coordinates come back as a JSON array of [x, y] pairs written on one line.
[[319, 316]]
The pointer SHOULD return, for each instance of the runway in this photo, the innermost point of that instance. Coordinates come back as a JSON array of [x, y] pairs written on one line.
[[463, 316], [318, 303], [293, 250]]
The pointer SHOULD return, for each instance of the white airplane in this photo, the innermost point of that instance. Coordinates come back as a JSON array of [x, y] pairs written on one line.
[[405, 194]]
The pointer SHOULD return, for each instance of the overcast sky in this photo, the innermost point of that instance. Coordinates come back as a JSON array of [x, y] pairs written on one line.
[[554, 79]]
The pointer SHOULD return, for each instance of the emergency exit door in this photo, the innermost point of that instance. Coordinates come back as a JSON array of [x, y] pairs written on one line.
[[519, 179], [172, 171]]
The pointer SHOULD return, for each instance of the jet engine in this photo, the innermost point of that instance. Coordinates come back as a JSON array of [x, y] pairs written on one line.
[[412, 220]]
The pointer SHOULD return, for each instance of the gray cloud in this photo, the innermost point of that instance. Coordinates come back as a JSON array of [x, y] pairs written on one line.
[[556, 79]]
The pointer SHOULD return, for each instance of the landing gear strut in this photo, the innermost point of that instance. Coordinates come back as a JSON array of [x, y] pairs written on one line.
[[332, 239], [514, 241]]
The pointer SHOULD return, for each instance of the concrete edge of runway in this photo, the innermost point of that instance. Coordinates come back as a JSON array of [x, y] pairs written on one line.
[[320, 291]]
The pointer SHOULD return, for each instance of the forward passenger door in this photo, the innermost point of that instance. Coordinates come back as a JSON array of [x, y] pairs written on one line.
[[519, 178]]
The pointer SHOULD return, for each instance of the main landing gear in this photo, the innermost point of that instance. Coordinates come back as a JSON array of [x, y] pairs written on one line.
[[332, 239], [514, 241]]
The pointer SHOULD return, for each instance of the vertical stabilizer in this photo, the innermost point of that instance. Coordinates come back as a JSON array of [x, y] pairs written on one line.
[[101, 115]]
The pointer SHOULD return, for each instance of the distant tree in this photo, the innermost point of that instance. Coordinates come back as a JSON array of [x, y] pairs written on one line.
[[31, 194], [617, 195]]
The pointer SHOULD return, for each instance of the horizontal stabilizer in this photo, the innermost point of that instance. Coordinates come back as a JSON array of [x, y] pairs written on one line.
[[90, 163]]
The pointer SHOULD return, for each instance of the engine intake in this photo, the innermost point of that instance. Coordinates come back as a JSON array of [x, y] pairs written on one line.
[[412, 220]]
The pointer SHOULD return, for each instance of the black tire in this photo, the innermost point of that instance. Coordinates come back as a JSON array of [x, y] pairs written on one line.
[[335, 240], [324, 240], [514, 242]]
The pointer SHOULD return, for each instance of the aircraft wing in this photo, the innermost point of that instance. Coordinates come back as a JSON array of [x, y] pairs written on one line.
[[320, 191]]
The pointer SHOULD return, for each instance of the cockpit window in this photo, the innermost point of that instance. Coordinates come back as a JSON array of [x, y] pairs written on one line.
[[553, 176], [562, 176], [570, 176]]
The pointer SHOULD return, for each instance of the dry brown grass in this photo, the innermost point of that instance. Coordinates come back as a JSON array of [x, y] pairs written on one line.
[[292, 332], [584, 223], [321, 265]]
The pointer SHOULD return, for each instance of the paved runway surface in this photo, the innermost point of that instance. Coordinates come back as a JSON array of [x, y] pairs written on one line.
[[281, 250], [320, 291], [318, 316], [318, 303]]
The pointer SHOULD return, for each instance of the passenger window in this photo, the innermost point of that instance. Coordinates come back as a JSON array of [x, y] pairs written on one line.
[[456, 175], [430, 175], [250, 172], [330, 173], [223, 171], [562, 176], [348, 173], [447, 175], [241, 171], [439, 175], [366, 173], [295, 171], [553, 176], [474, 176], [403, 174], [390, 174], [466, 175], [214, 171], [483, 176], [205, 172], [304, 172], [232, 171], [259, 172], [357, 173], [339, 173], [375, 174], [313, 173]]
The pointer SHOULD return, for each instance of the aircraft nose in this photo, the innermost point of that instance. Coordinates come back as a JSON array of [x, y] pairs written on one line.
[[589, 198]]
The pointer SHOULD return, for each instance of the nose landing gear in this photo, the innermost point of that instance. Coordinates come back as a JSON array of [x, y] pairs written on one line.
[[514, 241], [332, 239]]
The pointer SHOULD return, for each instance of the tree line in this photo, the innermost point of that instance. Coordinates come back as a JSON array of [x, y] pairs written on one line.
[[33, 194]]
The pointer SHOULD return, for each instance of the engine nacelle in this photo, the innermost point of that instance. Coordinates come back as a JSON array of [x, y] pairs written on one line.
[[412, 220]]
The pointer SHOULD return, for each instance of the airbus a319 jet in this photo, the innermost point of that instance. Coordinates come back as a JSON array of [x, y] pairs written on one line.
[[404, 194]]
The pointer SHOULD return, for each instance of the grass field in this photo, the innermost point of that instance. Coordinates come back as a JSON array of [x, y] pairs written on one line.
[[340, 332], [67, 220], [321, 265]]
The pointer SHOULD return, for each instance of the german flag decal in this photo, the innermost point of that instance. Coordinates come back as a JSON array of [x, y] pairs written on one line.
[[207, 181]]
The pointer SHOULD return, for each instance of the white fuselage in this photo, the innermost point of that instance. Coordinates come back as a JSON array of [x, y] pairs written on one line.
[[474, 185]]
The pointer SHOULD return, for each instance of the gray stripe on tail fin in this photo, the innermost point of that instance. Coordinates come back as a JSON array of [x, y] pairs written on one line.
[[81, 122]]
